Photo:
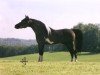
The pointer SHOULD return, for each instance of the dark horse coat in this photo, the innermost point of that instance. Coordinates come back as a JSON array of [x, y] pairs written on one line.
[[71, 38]]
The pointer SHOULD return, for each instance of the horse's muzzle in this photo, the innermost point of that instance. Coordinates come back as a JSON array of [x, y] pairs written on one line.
[[17, 27]]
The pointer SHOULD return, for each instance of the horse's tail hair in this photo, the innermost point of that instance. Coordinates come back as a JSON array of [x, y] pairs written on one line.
[[78, 39]]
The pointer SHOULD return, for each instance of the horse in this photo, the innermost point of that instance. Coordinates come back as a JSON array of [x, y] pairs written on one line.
[[71, 38]]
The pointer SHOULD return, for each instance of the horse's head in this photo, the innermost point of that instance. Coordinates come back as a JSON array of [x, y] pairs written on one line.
[[24, 23], [36, 25]]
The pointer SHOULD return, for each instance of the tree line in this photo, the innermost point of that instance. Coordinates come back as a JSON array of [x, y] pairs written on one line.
[[6, 51], [91, 43], [91, 36]]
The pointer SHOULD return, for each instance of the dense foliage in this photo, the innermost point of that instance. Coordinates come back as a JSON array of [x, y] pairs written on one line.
[[20, 50], [15, 50], [91, 36]]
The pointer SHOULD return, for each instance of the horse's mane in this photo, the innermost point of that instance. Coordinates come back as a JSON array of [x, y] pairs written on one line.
[[41, 26]]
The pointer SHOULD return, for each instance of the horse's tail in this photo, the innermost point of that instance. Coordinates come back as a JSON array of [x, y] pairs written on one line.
[[78, 39]]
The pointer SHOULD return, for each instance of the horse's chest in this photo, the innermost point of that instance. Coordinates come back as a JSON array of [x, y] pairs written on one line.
[[49, 41]]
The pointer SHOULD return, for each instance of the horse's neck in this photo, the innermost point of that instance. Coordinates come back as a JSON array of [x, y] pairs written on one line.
[[39, 28]]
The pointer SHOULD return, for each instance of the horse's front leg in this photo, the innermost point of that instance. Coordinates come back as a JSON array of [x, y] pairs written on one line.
[[41, 51]]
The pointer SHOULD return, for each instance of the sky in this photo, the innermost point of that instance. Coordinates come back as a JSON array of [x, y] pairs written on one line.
[[57, 14]]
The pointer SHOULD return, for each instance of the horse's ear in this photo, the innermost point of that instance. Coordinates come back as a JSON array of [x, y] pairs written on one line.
[[26, 17]]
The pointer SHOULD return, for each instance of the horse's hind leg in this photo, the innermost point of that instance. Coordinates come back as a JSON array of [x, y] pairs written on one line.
[[71, 48], [72, 55], [75, 53]]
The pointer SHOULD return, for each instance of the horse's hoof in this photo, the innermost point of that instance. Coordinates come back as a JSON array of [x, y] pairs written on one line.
[[71, 60], [76, 60], [39, 60]]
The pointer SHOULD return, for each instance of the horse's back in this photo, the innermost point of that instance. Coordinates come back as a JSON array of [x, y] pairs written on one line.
[[68, 33], [64, 35]]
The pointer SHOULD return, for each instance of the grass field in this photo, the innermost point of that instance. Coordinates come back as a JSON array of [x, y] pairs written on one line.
[[57, 63]]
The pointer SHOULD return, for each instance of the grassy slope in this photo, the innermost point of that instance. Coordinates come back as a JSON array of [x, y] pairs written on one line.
[[54, 64]]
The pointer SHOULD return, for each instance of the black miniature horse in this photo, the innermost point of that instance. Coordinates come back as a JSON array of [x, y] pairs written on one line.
[[71, 38]]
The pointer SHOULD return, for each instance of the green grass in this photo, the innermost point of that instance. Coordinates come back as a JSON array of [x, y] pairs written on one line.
[[57, 63], [57, 56]]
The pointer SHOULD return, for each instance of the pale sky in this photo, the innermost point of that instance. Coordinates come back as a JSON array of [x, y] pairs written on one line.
[[56, 14]]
